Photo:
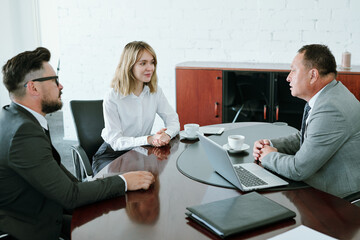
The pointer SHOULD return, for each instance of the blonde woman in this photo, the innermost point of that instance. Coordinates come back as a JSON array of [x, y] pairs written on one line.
[[134, 100]]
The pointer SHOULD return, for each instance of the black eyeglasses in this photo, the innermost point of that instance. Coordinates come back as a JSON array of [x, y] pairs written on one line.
[[45, 79]]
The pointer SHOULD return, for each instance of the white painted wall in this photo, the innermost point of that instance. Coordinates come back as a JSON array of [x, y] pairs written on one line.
[[92, 34], [19, 32], [48, 27]]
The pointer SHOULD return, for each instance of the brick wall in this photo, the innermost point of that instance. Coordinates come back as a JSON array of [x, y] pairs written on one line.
[[92, 34]]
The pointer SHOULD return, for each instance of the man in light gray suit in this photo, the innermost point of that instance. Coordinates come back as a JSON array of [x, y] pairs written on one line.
[[325, 153]]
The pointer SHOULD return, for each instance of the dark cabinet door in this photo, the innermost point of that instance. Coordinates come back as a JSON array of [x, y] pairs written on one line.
[[246, 96], [199, 96], [260, 97], [286, 108]]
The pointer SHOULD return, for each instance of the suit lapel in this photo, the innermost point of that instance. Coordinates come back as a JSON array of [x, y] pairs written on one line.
[[55, 153], [18, 108], [320, 98]]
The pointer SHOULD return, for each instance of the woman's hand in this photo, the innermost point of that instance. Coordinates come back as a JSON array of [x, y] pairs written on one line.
[[159, 139]]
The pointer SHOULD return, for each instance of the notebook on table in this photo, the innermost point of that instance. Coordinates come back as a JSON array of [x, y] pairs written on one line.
[[244, 176], [239, 214]]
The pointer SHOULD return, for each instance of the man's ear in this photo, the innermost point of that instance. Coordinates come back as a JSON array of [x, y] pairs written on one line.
[[314, 75], [32, 89]]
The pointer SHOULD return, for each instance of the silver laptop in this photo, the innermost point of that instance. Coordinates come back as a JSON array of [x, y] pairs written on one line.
[[244, 176]]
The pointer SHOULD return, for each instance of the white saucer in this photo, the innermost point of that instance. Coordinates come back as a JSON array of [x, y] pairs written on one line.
[[243, 148], [184, 135]]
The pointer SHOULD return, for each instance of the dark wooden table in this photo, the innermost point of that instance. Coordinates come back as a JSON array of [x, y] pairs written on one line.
[[159, 213]]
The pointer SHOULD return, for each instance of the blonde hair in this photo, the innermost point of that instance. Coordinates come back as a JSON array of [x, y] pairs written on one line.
[[124, 79]]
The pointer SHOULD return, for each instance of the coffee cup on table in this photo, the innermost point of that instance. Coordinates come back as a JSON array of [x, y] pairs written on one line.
[[191, 129], [236, 141]]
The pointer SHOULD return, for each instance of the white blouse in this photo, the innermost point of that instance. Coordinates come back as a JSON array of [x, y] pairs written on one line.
[[129, 119]]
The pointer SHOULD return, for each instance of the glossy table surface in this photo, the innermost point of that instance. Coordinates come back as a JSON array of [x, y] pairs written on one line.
[[159, 213], [195, 164]]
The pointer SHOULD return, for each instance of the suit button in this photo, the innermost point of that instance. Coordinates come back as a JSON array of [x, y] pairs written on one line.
[[58, 221]]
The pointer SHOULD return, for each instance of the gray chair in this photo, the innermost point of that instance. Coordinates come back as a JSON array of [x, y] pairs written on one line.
[[89, 122]]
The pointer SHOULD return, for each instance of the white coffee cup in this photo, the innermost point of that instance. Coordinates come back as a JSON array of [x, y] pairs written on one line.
[[236, 141], [191, 129]]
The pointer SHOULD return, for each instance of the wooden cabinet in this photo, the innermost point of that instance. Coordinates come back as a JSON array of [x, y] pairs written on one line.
[[213, 92], [260, 96], [352, 82], [199, 96]]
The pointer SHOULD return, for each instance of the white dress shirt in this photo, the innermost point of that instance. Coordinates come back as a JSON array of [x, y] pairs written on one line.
[[41, 119], [129, 119], [312, 102]]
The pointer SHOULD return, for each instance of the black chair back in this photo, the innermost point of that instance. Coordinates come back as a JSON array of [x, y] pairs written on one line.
[[89, 122]]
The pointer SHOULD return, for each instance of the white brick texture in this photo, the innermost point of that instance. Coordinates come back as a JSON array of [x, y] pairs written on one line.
[[93, 33]]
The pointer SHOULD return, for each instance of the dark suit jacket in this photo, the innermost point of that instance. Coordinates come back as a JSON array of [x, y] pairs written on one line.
[[35, 189]]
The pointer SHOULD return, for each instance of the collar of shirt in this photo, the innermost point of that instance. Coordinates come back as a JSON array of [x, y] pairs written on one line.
[[313, 100], [41, 119], [145, 90]]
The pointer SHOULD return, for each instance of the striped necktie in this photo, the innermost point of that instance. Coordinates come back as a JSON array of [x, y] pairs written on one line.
[[303, 124]]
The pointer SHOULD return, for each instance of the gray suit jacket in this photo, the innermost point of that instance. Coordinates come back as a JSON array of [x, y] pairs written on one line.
[[35, 189], [329, 158]]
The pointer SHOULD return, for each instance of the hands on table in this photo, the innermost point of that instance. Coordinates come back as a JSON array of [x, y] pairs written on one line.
[[262, 148], [138, 180], [159, 139]]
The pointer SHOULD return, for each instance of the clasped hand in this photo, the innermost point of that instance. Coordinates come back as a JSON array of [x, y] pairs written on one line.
[[159, 139], [262, 148]]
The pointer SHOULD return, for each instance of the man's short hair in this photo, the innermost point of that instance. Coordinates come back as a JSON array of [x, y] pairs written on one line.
[[320, 57], [15, 69]]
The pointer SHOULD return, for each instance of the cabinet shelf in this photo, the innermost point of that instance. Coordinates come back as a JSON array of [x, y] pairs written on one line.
[[212, 92]]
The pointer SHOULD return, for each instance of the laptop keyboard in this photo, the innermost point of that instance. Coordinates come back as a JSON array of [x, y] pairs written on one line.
[[247, 178]]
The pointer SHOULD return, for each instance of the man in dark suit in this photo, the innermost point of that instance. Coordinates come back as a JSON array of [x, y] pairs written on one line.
[[325, 153], [35, 187]]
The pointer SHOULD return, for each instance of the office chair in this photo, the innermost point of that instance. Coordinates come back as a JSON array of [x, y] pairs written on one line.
[[354, 198], [89, 122]]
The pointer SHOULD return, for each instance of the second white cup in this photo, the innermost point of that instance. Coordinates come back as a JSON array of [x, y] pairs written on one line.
[[236, 141], [191, 129]]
